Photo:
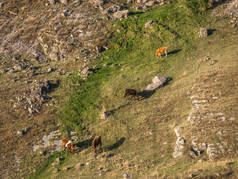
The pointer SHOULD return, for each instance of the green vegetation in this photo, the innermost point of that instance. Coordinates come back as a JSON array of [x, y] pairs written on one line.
[[132, 51]]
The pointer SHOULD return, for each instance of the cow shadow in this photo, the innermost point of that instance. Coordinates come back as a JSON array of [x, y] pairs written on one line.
[[117, 144], [174, 51], [135, 13], [210, 31], [84, 144], [112, 111], [146, 93]]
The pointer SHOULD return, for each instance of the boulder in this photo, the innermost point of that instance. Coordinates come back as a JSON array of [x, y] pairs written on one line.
[[157, 82]]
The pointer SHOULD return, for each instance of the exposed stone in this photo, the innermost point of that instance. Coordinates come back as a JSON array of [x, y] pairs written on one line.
[[211, 151], [98, 2], [18, 67], [127, 175], [36, 95], [36, 147], [66, 168], [100, 168], [157, 82], [100, 49], [110, 154], [56, 171], [177, 152], [150, 4], [203, 32], [112, 9], [52, 1], [10, 71], [178, 131], [121, 14], [64, 1], [79, 165], [50, 70], [213, 62], [19, 133], [23, 132], [149, 23]]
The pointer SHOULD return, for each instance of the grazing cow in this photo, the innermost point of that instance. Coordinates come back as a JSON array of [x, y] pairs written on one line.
[[131, 92], [96, 141], [67, 144], [160, 51]]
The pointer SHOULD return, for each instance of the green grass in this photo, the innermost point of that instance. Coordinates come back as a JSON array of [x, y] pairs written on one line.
[[131, 53]]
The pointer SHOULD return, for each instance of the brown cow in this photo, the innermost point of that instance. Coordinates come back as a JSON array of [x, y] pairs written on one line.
[[96, 141], [67, 144], [131, 92]]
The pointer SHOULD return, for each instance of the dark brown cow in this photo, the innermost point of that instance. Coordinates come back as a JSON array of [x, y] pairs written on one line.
[[96, 141], [131, 92]]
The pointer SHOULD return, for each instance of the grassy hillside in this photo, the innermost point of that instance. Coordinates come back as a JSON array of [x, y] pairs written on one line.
[[139, 135]]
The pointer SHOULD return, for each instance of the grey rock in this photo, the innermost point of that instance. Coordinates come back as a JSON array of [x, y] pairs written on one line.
[[36, 147], [127, 175], [79, 165], [212, 152], [98, 2], [56, 171], [177, 152], [18, 67], [192, 154], [178, 131], [23, 132], [149, 23], [150, 4], [203, 32], [157, 82], [213, 62], [109, 155], [180, 141], [19, 133], [112, 9], [100, 168], [64, 1], [121, 14], [52, 1], [10, 71]]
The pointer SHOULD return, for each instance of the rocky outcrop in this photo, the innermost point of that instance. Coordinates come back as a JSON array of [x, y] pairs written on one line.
[[180, 142], [35, 96], [209, 122], [53, 142]]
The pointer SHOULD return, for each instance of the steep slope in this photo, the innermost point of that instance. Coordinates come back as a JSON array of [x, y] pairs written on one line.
[[41, 43], [185, 129]]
